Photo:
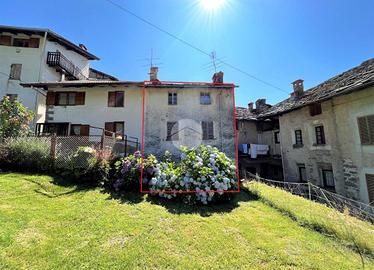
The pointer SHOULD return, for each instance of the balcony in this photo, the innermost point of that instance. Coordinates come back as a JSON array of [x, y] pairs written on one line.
[[58, 60]]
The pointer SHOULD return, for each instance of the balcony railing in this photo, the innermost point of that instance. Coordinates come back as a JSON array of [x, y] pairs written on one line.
[[57, 59]]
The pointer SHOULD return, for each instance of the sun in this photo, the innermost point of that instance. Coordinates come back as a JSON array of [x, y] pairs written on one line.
[[212, 5]]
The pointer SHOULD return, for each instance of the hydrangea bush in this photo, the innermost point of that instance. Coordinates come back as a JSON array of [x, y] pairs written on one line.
[[204, 169]]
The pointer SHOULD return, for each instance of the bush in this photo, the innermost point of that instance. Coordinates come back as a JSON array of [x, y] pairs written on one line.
[[205, 170], [25, 153]]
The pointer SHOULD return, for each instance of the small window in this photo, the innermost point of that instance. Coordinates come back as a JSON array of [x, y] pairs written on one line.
[[208, 130], [302, 173], [172, 131], [21, 42], [298, 137], [315, 109], [172, 99], [366, 129], [5, 40], [15, 71], [12, 97], [115, 128], [328, 179], [370, 187], [116, 99], [320, 135], [205, 99], [66, 98], [276, 137]]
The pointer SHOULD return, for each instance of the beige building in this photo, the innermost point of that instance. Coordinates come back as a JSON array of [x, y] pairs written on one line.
[[327, 133]]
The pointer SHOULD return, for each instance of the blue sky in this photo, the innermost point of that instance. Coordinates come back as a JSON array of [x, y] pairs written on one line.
[[277, 41]]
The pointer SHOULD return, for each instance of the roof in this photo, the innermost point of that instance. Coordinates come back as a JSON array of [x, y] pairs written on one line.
[[245, 114], [355, 79], [103, 75], [51, 36], [157, 84]]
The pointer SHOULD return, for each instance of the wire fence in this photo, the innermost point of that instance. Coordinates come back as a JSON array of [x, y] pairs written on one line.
[[312, 192]]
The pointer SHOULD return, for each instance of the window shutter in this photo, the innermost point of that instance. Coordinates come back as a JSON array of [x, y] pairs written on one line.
[[119, 97], [85, 130], [371, 127], [370, 186], [364, 130], [111, 99], [210, 130], [80, 98], [34, 43], [5, 40], [109, 126], [50, 98]]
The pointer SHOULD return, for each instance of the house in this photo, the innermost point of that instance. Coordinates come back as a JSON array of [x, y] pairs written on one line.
[[36, 55], [258, 140], [168, 114], [327, 133]]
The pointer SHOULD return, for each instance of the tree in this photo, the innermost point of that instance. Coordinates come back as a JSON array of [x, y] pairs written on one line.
[[14, 118]]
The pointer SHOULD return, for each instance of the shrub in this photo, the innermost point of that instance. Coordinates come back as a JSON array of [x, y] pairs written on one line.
[[26, 153], [204, 169]]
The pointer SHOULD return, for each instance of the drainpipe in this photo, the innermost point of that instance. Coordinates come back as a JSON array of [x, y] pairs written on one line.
[[281, 148]]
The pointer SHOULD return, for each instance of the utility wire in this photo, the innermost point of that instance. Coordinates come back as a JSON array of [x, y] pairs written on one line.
[[191, 45]]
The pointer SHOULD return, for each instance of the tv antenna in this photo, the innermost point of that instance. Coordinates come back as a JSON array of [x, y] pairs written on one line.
[[152, 61]]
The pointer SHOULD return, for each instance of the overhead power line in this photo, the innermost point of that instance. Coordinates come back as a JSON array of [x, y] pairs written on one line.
[[191, 45]]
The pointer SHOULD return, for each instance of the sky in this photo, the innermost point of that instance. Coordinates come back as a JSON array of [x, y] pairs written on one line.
[[277, 41]]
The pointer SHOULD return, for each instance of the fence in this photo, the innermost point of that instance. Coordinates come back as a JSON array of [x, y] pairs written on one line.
[[320, 195]]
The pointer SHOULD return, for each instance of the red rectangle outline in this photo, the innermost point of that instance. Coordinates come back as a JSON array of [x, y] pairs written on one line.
[[150, 83]]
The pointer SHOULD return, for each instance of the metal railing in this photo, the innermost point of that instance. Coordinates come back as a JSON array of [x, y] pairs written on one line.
[[57, 59]]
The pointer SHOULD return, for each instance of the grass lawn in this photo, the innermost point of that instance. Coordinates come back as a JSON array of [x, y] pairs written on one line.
[[49, 226]]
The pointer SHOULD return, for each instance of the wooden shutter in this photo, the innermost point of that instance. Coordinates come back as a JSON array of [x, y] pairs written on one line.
[[109, 126], [51, 98], [370, 186], [111, 99], [5, 40], [85, 130], [210, 131], [80, 98], [364, 130], [370, 120], [34, 43]]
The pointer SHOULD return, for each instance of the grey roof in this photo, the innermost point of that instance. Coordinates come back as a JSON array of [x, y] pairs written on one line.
[[103, 74], [245, 114], [357, 78], [51, 36]]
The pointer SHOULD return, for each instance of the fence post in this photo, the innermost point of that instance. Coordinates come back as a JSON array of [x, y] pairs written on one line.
[[102, 140], [125, 145], [53, 148], [309, 191]]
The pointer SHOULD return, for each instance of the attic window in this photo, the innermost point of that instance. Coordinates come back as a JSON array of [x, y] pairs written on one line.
[[315, 109]]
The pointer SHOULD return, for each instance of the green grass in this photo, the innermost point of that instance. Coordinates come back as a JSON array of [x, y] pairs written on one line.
[[48, 226]]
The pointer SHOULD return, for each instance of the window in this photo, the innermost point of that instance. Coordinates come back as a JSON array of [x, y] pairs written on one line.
[[21, 42], [79, 130], [315, 109], [66, 98], [298, 137], [172, 99], [320, 135], [5, 40], [12, 97], [276, 137], [366, 129], [370, 186], [15, 71], [117, 128], [205, 98], [328, 179], [172, 131], [302, 173], [116, 99], [208, 130]]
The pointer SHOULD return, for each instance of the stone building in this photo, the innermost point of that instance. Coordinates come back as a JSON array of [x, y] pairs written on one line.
[[255, 134], [327, 133]]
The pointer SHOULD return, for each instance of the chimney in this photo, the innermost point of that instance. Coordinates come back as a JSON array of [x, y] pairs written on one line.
[[82, 46], [218, 77], [250, 106], [298, 88], [153, 74], [261, 105]]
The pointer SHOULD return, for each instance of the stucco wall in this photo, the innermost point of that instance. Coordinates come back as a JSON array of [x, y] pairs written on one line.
[[189, 113], [247, 132], [96, 112], [343, 150]]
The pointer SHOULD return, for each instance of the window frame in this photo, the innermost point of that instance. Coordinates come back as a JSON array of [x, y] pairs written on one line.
[[320, 135], [315, 109], [369, 129], [204, 95], [170, 136], [122, 132], [172, 98], [207, 128], [324, 181], [14, 74], [298, 137], [115, 103], [68, 94], [302, 167], [276, 137], [23, 42]]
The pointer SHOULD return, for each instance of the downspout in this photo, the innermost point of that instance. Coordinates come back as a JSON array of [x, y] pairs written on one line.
[[39, 75], [281, 148]]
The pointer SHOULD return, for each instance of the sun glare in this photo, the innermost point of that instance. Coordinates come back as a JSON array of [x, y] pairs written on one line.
[[212, 5]]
